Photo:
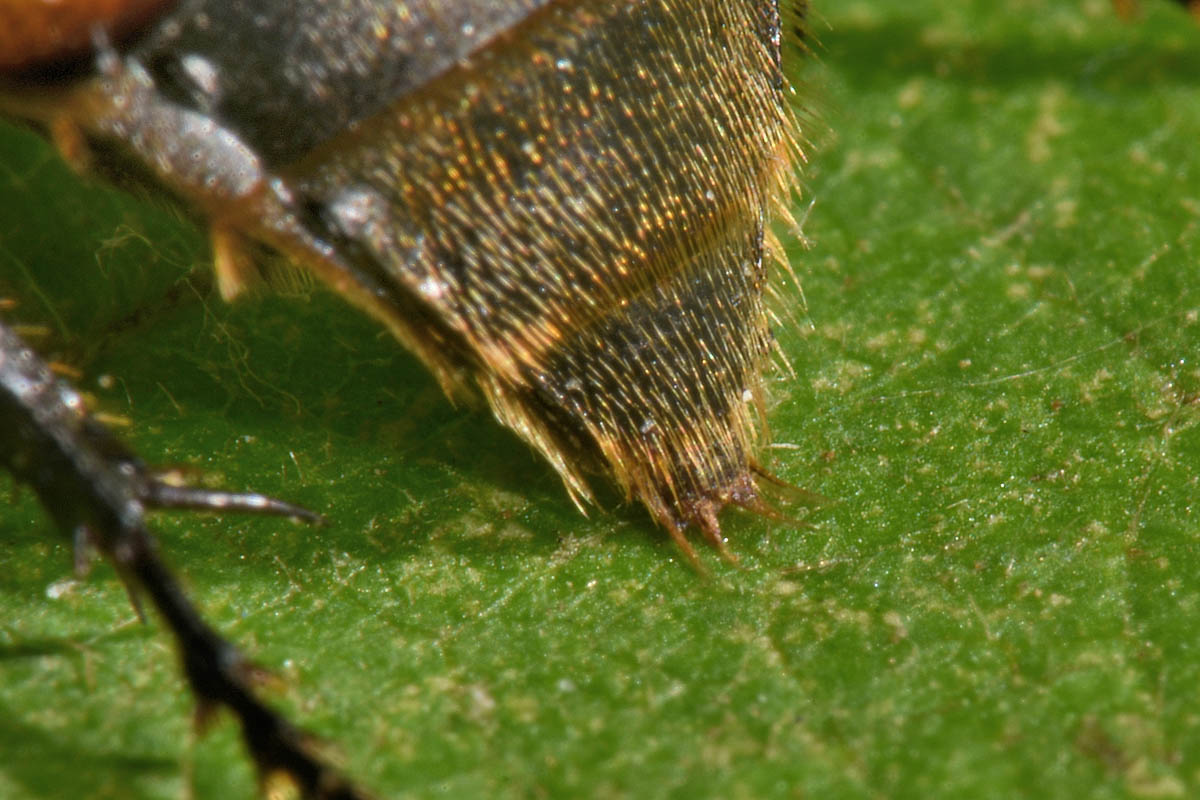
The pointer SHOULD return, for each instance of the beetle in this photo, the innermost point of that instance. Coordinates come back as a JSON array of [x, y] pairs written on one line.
[[593, 268], [562, 208]]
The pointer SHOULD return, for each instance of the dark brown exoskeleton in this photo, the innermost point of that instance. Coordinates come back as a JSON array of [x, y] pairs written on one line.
[[560, 206]]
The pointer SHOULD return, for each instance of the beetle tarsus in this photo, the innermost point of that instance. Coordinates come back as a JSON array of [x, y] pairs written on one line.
[[193, 498]]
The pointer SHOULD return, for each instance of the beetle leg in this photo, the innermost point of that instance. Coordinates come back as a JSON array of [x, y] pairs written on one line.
[[83, 551], [220, 676], [194, 498], [97, 491]]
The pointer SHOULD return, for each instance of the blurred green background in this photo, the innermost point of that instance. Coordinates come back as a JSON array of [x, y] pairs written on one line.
[[997, 383]]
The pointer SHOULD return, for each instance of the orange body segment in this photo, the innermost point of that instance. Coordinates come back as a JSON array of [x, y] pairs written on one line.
[[37, 33]]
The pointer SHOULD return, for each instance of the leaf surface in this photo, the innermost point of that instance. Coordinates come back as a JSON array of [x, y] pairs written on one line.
[[996, 384]]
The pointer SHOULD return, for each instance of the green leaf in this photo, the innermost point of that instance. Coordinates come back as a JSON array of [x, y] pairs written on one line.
[[997, 382]]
